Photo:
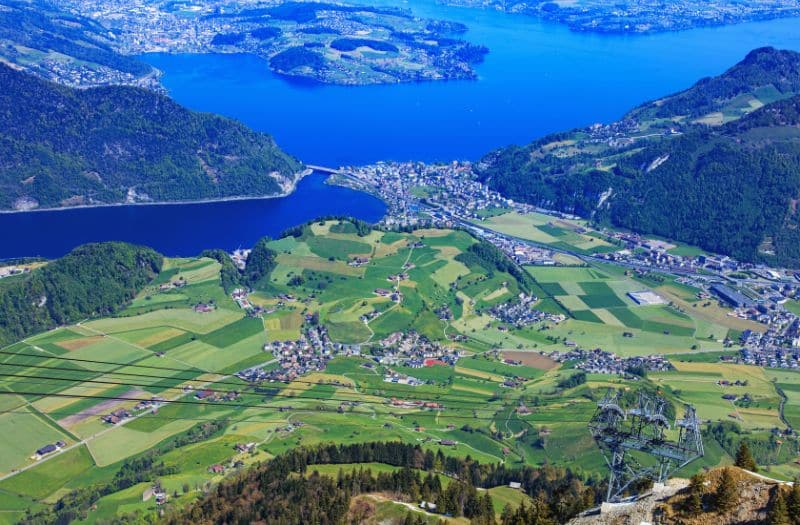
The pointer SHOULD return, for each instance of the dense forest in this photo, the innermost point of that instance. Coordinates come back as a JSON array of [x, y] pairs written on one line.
[[260, 264], [92, 280], [729, 188], [62, 146], [287, 491]]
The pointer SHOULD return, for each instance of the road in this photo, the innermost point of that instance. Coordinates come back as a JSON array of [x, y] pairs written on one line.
[[466, 223]]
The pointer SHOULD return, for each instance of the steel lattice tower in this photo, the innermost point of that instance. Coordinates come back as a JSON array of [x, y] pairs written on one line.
[[634, 442]]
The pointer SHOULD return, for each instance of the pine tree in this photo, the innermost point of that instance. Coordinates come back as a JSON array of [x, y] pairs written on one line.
[[727, 495], [778, 513], [793, 503], [487, 509], [744, 458], [694, 503], [507, 516], [540, 513]]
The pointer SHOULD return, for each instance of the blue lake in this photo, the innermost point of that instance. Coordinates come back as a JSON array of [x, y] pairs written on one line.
[[537, 78], [182, 229]]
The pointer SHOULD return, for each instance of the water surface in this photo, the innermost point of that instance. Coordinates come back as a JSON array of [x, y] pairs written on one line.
[[181, 229], [538, 78]]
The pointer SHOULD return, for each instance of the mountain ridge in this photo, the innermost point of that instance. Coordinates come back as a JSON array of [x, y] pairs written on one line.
[[629, 173], [63, 147]]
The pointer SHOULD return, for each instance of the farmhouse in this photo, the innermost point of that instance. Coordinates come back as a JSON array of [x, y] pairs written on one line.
[[49, 449], [244, 447], [203, 308], [115, 417], [359, 261], [205, 394]]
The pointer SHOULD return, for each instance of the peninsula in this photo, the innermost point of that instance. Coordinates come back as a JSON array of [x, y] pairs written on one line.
[[70, 49], [327, 42]]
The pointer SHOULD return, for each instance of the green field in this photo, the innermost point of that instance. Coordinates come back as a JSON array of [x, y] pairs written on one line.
[[602, 314], [545, 229], [161, 346]]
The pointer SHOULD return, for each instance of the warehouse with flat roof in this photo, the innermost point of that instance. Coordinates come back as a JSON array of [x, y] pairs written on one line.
[[732, 297]]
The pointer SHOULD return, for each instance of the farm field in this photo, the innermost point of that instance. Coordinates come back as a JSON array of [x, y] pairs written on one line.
[[565, 234], [604, 315], [502, 401]]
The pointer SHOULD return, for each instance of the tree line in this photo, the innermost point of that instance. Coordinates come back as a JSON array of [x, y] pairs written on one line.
[[287, 491], [92, 280]]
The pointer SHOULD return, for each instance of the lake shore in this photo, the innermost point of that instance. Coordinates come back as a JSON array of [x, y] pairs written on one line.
[[285, 193], [183, 229]]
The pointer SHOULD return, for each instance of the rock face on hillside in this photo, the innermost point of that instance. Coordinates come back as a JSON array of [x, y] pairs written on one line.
[[632, 513], [665, 505]]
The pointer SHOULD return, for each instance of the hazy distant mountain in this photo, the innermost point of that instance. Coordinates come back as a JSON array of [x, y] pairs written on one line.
[[717, 165], [61, 147], [38, 37]]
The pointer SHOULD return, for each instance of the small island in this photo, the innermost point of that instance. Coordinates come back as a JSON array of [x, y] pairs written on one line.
[[327, 42]]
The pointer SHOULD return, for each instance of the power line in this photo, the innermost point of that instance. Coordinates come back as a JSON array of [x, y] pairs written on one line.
[[172, 369], [235, 405], [233, 420], [241, 385], [273, 395]]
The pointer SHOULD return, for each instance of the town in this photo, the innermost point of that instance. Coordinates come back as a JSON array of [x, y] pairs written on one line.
[[521, 313], [451, 195], [598, 361], [641, 16], [292, 39]]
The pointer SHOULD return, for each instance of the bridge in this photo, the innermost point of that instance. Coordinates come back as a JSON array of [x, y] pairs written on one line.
[[324, 169]]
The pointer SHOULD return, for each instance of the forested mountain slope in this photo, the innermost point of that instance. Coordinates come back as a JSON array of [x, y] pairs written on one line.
[[717, 165], [732, 190], [93, 279], [764, 75], [61, 146]]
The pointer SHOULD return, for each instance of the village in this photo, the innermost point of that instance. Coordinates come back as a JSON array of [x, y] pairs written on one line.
[[521, 313], [451, 195], [310, 353], [599, 361]]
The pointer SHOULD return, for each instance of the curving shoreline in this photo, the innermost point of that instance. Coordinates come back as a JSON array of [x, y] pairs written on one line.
[[285, 193]]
